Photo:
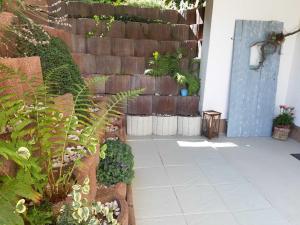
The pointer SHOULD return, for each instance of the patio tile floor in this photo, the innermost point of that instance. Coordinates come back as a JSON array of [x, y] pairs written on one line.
[[226, 181]]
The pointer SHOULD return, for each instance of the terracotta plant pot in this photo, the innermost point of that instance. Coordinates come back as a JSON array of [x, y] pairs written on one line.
[[111, 196], [281, 132], [119, 188]]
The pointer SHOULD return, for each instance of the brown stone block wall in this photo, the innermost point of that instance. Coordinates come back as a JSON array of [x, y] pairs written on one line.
[[164, 105], [141, 105], [108, 65], [144, 81], [99, 46], [166, 85], [187, 106], [133, 65]]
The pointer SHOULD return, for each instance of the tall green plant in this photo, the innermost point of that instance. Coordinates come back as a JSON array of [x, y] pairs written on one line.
[[54, 135]]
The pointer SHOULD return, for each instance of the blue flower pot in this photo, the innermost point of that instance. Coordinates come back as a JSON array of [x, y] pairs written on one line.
[[184, 92]]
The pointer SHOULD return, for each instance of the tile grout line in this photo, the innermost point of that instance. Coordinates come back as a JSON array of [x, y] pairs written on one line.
[[173, 189]]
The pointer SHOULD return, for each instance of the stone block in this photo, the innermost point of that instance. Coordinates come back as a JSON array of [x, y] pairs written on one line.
[[188, 106], [102, 9], [142, 105], [117, 84], [164, 105], [180, 32], [135, 30], [166, 85], [133, 65], [99, 46], [84, 26], [78, 43], [148, 13], [108, 65], [62, 34], [88, 168], [188, 16], [95, 87], [117, 30], [85, 62], [78, 9], [144, 82], [196, 32], [161, 32], [6, 19], [185, 64], [145, 48], [122, 47], [190, 48], [138, 125], [29, 66], [123, 10], [168, 46], [169, 15], [164, 125], [64, 104]]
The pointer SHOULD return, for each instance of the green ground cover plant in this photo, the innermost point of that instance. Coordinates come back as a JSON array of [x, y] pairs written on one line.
[[117, 165]]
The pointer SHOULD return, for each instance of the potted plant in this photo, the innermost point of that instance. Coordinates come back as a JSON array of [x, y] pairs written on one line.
[[83, 212], [116, 170], [283, 122]]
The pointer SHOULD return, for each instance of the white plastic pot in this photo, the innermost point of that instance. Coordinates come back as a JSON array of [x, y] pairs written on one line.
[[189, 125], [164, 125], [139, 125]]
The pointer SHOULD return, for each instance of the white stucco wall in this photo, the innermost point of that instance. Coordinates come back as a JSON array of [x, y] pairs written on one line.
[[218, 63], [293, 95]]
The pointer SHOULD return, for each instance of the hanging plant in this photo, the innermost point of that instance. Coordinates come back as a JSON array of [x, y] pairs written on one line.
[[271, 45]]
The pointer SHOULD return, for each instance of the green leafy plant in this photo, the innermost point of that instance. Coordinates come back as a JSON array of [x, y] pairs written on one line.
[[57, 64], [97, 31], [61, 140], [40, 214], [161, 65], [117, 165], [82, 212], [168, 64], [190, 81], [285, 118], [146, 3]]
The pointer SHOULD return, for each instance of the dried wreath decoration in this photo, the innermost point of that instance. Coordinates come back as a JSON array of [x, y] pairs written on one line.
[[271, 45]]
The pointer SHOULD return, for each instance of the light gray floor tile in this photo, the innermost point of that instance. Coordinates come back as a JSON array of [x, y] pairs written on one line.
[[211, 219], [242, 197], [199, 199], [155, 202]]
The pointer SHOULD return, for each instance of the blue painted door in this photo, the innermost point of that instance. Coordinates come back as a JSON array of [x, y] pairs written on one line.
[[252, 92]]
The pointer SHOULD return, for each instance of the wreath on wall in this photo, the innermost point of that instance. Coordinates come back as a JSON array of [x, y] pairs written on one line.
[[272, 44]]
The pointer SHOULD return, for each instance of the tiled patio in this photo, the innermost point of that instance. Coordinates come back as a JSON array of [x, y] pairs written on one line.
[[248, 181]]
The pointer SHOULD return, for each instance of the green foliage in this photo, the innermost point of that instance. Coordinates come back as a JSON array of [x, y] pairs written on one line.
[[285, 118], [168, 64], [56, 60], [161, 65], [38, 121], [146, 3], [11, 190], [1, 2], [40, 214], [117, 165], [81, 212]]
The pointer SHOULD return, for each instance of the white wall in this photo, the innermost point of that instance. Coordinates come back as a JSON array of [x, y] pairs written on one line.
[[293, 96], [217, 75]]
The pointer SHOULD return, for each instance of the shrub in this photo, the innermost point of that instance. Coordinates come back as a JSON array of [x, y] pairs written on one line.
[[117, 165], [161, 65], [285, 118], [56, 60]]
